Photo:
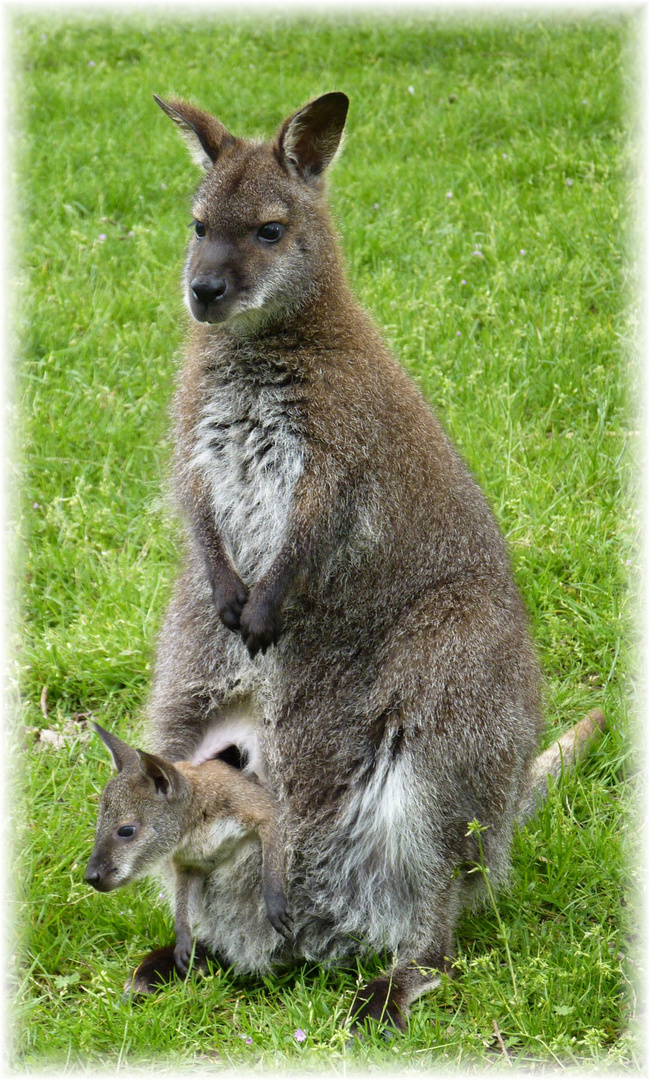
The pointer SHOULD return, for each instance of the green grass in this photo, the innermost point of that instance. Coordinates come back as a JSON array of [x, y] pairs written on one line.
[[516, 142]]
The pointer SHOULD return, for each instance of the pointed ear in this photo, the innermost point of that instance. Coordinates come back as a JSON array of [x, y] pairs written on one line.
[[204, 134], [124, 756], [164, 777], [309, 139]]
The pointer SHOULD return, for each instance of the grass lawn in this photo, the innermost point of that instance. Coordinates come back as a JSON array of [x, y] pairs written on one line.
[[486, 199]]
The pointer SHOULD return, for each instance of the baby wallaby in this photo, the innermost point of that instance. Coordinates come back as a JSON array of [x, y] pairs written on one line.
[[153, 811]]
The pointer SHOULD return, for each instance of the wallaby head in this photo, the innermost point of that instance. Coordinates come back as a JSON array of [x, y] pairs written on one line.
[[262, 235], [140, 817]]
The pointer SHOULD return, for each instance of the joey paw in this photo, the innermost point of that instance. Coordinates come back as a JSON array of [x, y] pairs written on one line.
[[278, 913], [183, 957], [260, 624]]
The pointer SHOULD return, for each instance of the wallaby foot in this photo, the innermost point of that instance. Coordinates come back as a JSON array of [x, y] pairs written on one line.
[[160, 968], [157, 969], [381, 1000], [387, 999]]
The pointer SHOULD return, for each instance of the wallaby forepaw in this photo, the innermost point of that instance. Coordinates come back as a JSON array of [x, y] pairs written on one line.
[[260, 624], [229, 596], [283, 924], [185, 958], [278, 913]]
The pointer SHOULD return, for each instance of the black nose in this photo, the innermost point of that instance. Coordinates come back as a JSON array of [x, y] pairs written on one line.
[[207, 289], [93, 874]]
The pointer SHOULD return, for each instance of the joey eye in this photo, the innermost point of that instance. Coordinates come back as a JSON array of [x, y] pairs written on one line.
[[199, 228], [126, 831], [271, 232]]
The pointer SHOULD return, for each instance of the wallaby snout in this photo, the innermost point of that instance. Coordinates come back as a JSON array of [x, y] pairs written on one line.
[[214, 278], [222, 276], [207, 289], [100, 875]]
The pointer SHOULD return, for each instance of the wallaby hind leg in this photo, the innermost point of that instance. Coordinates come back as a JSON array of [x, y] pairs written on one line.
[[388, 998], [561, 756]]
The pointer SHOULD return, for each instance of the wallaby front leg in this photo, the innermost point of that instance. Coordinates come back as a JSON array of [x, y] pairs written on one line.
[[188, 886], [316, 521], [229, 593], [274, 878]]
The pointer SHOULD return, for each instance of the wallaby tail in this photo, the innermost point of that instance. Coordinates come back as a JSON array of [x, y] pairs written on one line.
[[560, 757]]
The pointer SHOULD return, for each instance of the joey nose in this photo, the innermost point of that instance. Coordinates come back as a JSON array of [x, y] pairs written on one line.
[[208, 289], [92, 877]]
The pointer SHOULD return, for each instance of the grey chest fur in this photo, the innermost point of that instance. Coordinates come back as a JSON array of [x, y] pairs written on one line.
[[250, 454]]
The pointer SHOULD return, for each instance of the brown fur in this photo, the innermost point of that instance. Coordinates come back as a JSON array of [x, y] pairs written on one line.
[[179, 814], [346, 614]]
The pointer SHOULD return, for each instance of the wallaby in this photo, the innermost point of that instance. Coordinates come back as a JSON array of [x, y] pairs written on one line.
[[346, 622], [154, 812]]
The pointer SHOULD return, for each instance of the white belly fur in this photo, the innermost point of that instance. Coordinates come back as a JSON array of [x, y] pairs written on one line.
[[238, 725], [251, 459]]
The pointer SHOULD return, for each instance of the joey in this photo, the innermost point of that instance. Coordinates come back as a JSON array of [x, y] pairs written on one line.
[[154, 814]]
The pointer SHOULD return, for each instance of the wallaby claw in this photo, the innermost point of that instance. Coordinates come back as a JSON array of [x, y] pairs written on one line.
[[229, 599], [260, 625], [278, 913], [184, 959], [284, 925]]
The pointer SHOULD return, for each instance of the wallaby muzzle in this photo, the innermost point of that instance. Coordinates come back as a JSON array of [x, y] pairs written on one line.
[[100, 875], [208, 288], [207, 293], [212, 281]]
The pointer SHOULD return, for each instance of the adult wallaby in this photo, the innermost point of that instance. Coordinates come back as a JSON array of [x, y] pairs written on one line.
[[346, 622], [157, 817]]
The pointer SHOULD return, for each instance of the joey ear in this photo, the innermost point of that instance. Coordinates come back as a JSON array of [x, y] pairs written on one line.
[[308, 140], [124, 756], [164, 777], [204, 134]]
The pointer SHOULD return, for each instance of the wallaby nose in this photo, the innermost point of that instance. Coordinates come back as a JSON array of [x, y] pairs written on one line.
[[207, 289], [93, 874]]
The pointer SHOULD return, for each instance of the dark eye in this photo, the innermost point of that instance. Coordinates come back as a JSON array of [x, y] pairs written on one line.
[[271, 232], [199, 228], [126, 831]]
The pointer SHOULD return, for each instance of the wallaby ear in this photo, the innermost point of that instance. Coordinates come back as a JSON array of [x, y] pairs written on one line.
[[124, 756], [164, 777], [204, 134], [308, 140]]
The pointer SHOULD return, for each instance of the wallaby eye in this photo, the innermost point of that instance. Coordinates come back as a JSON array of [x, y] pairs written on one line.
[[271, 232], [126, 831], [199, 228]]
